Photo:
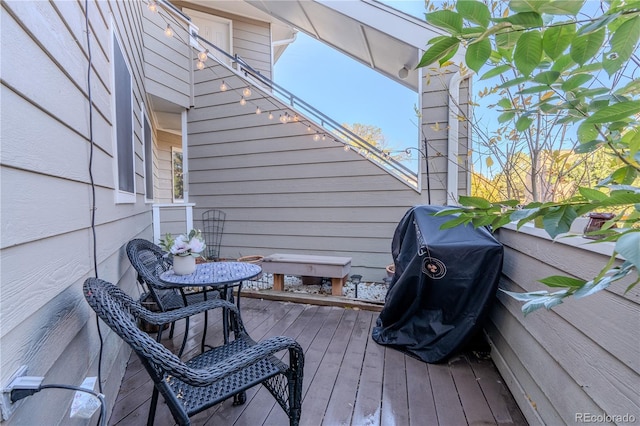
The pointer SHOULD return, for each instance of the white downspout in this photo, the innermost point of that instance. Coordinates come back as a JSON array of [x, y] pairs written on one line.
[[452, 142], [185, 157]]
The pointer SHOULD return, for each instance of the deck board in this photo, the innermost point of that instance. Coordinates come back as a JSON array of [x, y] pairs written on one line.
[[348, 378]]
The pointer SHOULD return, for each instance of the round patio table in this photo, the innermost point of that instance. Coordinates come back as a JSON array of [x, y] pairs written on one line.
[[220, 276]]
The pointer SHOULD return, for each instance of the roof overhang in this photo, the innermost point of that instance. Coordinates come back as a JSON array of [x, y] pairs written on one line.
[[379, 36]]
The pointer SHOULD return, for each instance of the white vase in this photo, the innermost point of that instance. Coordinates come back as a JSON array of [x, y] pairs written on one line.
[[184, 265]]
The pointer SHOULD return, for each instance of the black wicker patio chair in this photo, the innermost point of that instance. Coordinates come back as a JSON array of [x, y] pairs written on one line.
[[211, 377], [150, 261]]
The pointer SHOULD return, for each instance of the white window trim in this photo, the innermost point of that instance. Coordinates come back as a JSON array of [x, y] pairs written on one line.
[[144, 117], [173, 175], [121, 197]]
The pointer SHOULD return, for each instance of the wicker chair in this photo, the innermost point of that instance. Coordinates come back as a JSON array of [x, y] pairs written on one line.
[[150, 261], [211, 377]]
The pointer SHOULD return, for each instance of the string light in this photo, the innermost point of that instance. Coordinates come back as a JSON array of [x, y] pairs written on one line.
[[270, 115], [258, 110], [283, 118], [169, 31], [152, 6], [296, 118], [347, 148], [203, 55], [246, 92], [309, 128], [324, 136], [316, 137], [243, 101], [223, 86], [200, 65]]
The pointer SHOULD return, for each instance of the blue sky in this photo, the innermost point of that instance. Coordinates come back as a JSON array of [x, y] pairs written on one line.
[[348, 91]]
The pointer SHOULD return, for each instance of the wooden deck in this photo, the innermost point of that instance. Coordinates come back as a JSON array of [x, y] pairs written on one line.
[[348, 378]]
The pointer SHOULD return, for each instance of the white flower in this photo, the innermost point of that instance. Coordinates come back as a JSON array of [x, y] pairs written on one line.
[[183, 245]]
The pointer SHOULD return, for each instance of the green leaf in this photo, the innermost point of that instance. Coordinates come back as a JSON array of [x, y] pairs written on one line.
[[555, 40], [474, 11], [507, 39], [624, 175], [495, 71], [534, 89], [587, 132], [615, 112], [513, 82], [547, 77], [628, 246], [562, 7], [476, 202], [562, 63], [562, 281], [524, 19], [500, 221], [621, 199], [526, 5], [528, 52], [446, 19], [505, 103], [455, 222], [479, 221], [506, 116], [523, 123], [438, 51], [632, 138], [592, 194], [598, 24], [588, 147], [477, 54], [559, 221], [623, 44], [575, 81], [585, 47]]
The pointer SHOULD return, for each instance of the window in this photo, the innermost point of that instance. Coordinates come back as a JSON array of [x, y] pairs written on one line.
[[176, 169], [148, 156], [123, 127]]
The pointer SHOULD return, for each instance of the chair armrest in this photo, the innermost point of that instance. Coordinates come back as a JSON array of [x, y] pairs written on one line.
[[239, 361], [159, 318]]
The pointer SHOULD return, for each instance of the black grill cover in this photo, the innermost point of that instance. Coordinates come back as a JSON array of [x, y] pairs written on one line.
[[442, 287]]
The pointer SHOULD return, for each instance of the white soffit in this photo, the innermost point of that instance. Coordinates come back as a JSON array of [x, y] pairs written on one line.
[[368, 31]]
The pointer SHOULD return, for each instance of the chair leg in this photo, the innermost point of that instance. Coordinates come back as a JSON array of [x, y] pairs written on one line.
[[173, 327], [152, 407], [240, 398], [186, 335]]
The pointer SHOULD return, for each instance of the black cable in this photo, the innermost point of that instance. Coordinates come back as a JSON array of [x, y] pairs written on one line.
[[18, 394], [92, 182]]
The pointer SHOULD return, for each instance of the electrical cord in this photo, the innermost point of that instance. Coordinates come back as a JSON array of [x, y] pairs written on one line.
[[91, 179], [18, 394]]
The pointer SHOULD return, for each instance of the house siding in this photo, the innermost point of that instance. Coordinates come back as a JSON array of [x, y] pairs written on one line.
[[168, 61], [581, 357], [283, 191], [251, 39], [46, 239]]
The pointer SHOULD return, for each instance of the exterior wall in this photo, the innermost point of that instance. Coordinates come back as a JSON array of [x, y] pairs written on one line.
[[283, 191], [581, 357], [167, 60], [435, 127], [251, 39], [46, 239], [166, 141]]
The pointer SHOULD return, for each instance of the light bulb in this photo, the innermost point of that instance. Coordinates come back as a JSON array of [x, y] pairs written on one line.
[[246, 92], [169, 31], [200, 65], [296, 118], [316, 137], [258, 110], [243, 101], [203, 55], [309, 128], [223, 86], [346, 148], [270, 115], [283, 119], [324, 136], [152, 6]]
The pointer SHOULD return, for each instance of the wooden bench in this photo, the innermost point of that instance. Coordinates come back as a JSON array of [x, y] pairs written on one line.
[[336, 268]]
